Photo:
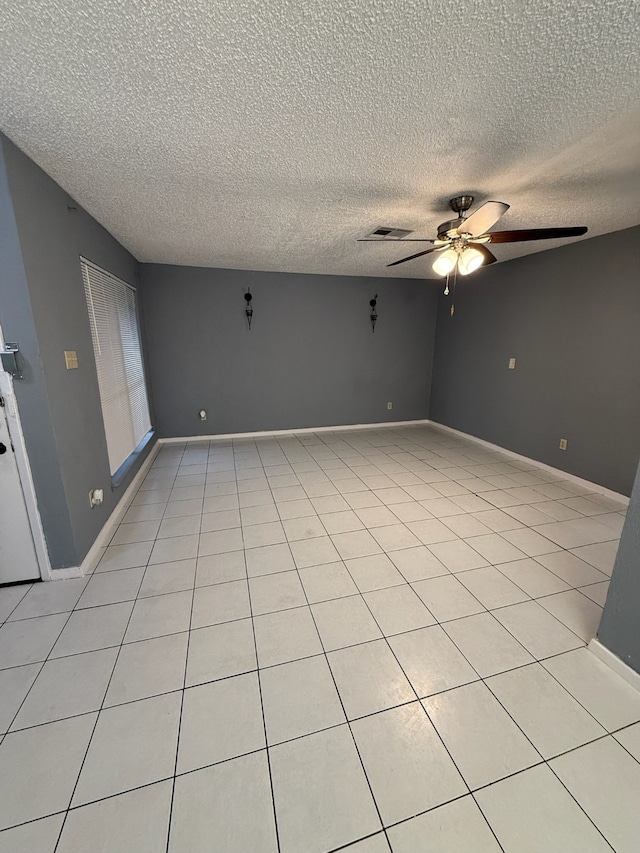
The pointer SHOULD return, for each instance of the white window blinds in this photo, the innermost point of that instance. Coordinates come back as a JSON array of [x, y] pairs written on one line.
[[116, 345]]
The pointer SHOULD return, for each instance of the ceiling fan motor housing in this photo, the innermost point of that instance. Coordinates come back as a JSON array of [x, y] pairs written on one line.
[[449, 229]]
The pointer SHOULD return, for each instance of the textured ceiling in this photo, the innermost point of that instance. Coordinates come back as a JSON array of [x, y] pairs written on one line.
[[270, 135]]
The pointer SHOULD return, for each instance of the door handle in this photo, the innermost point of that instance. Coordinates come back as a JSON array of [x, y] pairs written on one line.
[[3, 448]]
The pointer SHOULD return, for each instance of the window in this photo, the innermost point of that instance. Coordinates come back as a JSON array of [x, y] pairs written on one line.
[[116, 344]]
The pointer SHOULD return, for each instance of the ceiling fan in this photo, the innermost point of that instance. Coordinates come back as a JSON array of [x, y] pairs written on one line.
[[462, 242]]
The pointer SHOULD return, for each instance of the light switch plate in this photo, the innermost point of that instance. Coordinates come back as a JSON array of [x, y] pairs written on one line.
[[71, 359], [512, 364]]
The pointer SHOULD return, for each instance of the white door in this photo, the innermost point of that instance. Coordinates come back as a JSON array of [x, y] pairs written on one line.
[[18, 559]]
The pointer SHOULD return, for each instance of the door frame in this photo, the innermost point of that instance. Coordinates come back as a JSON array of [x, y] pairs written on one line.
[[24, 471]]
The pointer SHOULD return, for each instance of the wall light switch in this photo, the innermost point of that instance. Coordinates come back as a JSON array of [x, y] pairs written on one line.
[[563, 444], [389, 405], [512, 364], [71, 359]]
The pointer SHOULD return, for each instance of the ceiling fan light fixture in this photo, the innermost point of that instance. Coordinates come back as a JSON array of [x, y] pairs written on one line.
[[470, 260], [445, 263]]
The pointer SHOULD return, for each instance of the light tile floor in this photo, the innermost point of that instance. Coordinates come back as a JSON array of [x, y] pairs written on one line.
[[371, 640]]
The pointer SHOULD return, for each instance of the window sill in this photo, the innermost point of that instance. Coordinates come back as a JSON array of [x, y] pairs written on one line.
[[131, 461]]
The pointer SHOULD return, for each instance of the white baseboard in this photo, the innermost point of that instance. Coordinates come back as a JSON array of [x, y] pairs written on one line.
[[95, 552], [587, 484], [615, 663], [267, 433]]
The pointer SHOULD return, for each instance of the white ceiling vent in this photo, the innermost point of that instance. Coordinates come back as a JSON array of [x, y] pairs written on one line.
[[386, 233]]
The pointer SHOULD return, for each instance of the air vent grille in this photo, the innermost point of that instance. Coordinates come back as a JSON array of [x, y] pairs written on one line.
[[385, 232]]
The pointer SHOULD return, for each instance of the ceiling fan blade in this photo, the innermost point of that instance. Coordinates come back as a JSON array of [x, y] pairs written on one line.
[[489, 257], [483, 218], [417, 255], [402, 240], [535, 234]]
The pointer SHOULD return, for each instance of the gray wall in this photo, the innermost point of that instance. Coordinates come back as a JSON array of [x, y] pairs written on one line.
[[44, 310], [619, 628], [310, 358], [571, 318]]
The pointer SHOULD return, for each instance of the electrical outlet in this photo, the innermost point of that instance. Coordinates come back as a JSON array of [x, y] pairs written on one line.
[[389, 405], [563, 444], [512, 364], [96, 497]]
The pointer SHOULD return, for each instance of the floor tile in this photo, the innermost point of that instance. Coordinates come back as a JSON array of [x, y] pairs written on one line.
[[276, 592], [597, 592], [111, 587], [537, 630], [133, 745], [410, 511], [374, 572], [453, 828], [44, 599], [466, 525], [220, 568], [216, 542], [407, 766], [323, 583], [570, 568], [495, 548], [286, 636], [223, 602], [321, 794], [10, 597], [220, 651], [175, 509], [601, 555], [344, 622], [630, 739], [259, 535], [488, 647], [325, 504], [417, 564], [269, 559], [314, 552], [220, 720], [37, 837], [230, 802], [447, 598], [491, 587], [611, 700], [125, 556], [15, 683], [431, 661], [576, 611], [30, 640], [66, 687], [357, 544], [138, 531], [148, 668], [579, 531], [393, 537], [338, 522], [530, 542], [162, 614], [379, 516], [431, 531], [306, 527], [497, 520], [373, 844], [369, 678], [533, 813], [483, 740], [299, 698], [39, 767], [548, 715], [164, 578], [137, 820], [186, 525], [295, 509], [531, 577], [258, 515], [398, 609], [95, 628]]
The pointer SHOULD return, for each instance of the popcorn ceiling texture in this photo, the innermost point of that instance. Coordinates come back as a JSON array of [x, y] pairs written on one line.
[[270, 135]]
